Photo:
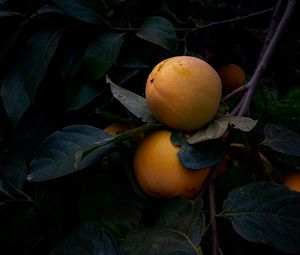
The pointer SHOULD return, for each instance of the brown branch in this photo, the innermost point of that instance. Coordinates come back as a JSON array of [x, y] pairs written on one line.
[[236, 91], [213, 221], [243, 107], [274, 23]]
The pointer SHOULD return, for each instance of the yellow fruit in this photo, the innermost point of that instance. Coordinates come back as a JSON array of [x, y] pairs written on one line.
[[292, 181], [232, 77], [159, 171], [183, 92]]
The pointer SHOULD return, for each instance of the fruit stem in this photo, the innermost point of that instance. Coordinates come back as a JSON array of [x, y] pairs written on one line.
[[243, 107]]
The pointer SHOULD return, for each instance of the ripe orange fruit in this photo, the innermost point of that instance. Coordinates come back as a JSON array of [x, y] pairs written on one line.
[[232, 76], [292, 181], [183, 92], [159, 171]]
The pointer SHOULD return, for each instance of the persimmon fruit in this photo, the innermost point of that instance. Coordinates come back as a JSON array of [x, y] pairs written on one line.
[[232, 76], [160, 173], [183, 92], [292, 181]]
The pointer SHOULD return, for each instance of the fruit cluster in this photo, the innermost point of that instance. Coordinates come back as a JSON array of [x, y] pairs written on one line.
[[184, 93]]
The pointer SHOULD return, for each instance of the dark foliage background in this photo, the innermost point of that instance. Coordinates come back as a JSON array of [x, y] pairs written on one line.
[[54, 56]]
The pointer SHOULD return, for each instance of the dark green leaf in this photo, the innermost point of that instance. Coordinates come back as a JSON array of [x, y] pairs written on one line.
[[15, 98], [10, 38], [49, 9], [153, 241], [136, 104], [102, 53], [282, 139], [84, 10], [4, 13], [216, 128], [219, 125], [36, 58], [185, 216], [200, 155], [244, 124], [266, 212], [87, 239], [87, 93], [159, 31], [71, 57], [107, 200], [57, 154], [15, 170], [2, 2], [20, 84]]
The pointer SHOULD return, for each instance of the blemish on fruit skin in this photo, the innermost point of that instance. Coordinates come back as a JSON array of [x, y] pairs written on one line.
[[182, 70], [192, 191], [152, 80]]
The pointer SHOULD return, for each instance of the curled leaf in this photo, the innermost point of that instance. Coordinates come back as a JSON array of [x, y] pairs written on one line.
[[135, 103]]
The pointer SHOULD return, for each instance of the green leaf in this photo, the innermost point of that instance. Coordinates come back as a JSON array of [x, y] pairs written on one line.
[[101, 54], [46, 9], [71, 57], [87, 239], [200, 155], [185, 216], [86, 94], [244, 124], [15, 169], [153, 241], [4, 13], [57, 154], [6, 43], [159, 31], [84, 10], [15, 98], [282, 140], [266, 212], [216, 128], [36, 58], [108, 200], [20, 84], [134, 103], [219, 125]]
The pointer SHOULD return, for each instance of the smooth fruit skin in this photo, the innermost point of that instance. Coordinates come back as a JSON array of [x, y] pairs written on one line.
[[183, 92], [232, 77], [159, 171], [292, 181]]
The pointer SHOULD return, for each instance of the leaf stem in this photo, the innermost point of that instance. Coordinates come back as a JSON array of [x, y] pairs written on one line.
[[230, 214]]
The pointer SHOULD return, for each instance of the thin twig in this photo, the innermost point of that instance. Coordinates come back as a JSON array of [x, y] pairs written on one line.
[[236, 91], [211, 24], [274, 23], [243, 107]]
